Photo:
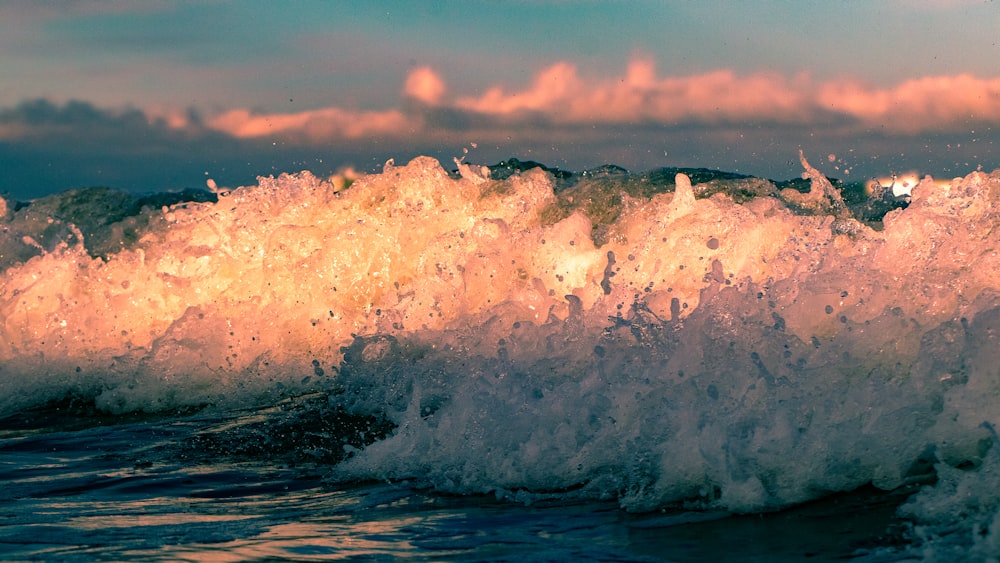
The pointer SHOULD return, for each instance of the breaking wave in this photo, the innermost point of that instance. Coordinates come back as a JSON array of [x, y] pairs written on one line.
[[676, 338]]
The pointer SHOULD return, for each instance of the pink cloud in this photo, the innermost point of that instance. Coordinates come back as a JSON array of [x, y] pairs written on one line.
[[314, 125], [552, 87], [425, 85], [639, 95], [929, 103]]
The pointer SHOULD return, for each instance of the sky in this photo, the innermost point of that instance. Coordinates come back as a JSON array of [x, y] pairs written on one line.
[[165, 94]]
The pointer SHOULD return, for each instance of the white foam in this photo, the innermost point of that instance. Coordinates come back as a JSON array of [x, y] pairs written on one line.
[[721, 355]]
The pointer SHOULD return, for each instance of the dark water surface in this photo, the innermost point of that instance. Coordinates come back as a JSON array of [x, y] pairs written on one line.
[[118, 489]]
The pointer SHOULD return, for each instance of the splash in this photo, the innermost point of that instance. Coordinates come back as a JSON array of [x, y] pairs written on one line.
[[730, 342]]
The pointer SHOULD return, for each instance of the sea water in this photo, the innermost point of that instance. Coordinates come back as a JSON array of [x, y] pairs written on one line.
[[503, 362]]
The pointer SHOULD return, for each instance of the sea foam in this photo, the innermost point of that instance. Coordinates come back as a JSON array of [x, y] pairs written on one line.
[[741, 345]]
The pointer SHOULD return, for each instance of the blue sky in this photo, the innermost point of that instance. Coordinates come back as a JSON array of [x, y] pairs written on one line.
[[236, 89]]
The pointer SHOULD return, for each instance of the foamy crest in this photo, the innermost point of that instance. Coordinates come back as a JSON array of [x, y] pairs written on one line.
[[258, 285], [701, 352]]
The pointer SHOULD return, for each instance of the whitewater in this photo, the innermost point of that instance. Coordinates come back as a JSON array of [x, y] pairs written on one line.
[[504, 362]]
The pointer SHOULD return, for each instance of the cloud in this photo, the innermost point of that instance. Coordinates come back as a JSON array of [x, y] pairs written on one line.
[[933, 103], [560, 97], [36, 121], [640, 96], [926, 104], [424, 85], [47, 147], [557, 84], [640, 118], [313, 125]]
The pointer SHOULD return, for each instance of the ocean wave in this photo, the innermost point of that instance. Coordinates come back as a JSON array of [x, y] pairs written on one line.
[[679, 337]]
